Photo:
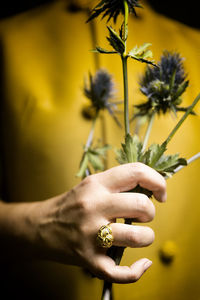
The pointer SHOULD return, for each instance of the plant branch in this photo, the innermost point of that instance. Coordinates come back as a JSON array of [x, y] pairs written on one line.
[[87, 145], [126, 108], [189, 110], [147, 134]]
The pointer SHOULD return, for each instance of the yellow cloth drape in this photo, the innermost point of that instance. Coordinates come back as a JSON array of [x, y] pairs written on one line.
[[45, 56]]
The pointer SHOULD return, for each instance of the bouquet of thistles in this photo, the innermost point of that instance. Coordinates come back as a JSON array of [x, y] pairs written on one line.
[[163, 84]]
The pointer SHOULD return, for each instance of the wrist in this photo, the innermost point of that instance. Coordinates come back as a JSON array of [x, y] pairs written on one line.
[[19, 230]]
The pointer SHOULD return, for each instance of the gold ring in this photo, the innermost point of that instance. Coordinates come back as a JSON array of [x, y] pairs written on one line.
[[104, 236]]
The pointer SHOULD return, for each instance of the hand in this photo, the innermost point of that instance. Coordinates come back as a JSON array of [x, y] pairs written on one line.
[[68, 224]]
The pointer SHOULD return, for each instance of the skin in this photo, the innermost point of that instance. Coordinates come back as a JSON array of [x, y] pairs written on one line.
[[64, 228]]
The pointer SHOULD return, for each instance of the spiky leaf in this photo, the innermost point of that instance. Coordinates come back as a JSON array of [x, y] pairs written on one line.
[[115, 40]]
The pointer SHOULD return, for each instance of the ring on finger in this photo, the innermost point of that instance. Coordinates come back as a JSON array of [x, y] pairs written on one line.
[[105, 237]]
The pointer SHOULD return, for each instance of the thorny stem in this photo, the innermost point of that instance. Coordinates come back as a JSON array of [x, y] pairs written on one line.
[[147, 134]]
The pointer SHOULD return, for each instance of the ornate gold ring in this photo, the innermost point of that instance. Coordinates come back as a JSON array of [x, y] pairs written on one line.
[[104, 236]]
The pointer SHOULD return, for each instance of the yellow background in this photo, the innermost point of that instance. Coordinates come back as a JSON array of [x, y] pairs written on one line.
[[45, 56]]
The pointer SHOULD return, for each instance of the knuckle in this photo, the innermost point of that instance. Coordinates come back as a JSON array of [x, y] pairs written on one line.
[[82, 203], [139, 167], [89, 180]]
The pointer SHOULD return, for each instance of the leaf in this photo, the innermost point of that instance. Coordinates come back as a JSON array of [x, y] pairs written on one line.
[[121, 156], [138, 52], [102, 150], [170, 163], [131, 150], [142, 53], [103, 51], [83, 166], [165, 165], [123, 32], [115, 41], [153, 154], [95, 161]]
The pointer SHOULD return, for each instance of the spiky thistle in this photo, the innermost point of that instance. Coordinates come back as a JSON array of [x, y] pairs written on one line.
[[101, 92], [112, 9], [163, 86]]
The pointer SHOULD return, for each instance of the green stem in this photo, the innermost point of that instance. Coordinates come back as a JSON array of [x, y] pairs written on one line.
[[182, 119], [126, 109], [147, 134], [124, 66], [126, 12]]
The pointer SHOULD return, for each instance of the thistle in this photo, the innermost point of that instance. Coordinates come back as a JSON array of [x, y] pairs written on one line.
[[163, 86], [112, 9], [101, 93]]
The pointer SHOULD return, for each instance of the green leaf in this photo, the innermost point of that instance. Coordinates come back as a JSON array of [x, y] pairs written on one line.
[[139, 52], [121, 156], [131, 150], [115, 41], [102, 150], [142, 53], [123, 33], [83, 166], [103, 51], [95, 161], [153, 154]]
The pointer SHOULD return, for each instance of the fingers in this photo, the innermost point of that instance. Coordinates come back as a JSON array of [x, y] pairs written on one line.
[[132, 236], [121, 274], [128, 205], [126, 177]]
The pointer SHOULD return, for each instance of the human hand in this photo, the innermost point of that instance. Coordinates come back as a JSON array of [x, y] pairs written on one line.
[[68, 224]]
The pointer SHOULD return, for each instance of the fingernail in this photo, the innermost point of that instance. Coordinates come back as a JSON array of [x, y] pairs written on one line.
[[147, 264]]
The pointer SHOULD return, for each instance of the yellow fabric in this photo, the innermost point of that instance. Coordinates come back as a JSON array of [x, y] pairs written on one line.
[[45, 56]]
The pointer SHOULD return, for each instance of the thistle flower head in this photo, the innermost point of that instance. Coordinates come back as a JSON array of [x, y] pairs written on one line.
[[112, 9], [101, 92], [163, 86]]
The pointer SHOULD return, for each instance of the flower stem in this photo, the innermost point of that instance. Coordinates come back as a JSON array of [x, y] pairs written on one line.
[[124, 66], [147, 134], [84, 160], [90, 137], [126, 12], [126, 109], [182, 119]]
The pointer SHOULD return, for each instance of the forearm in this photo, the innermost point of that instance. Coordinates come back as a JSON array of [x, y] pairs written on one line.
[[18, 231]]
